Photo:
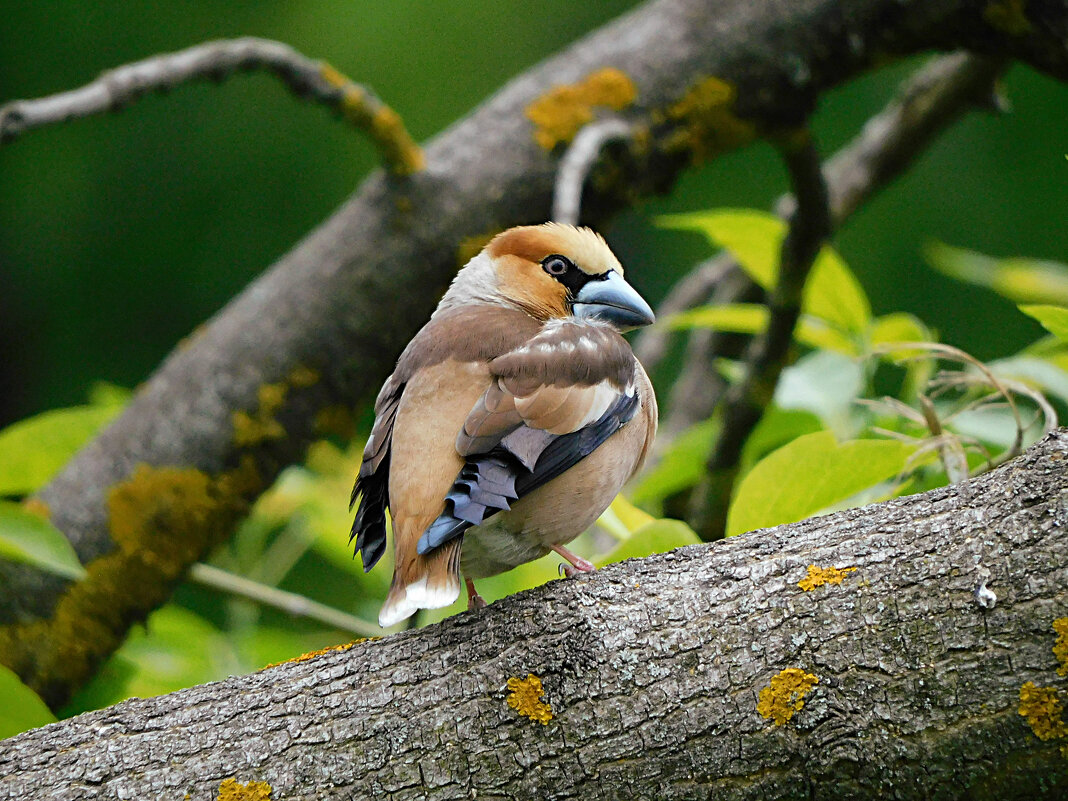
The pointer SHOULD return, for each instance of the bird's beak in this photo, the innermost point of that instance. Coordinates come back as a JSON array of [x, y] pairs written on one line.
[[614, 301]]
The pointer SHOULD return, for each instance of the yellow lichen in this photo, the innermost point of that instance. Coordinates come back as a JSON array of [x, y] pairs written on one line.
[[302, 376], [232, 790], [161, 520], [471, 246], [336, 420], [1007, 16], [260, 425], [35, 506], [709, 125], [525, 698], [561, 112], [402, 155], [785, 695], [1041, 708], [818, 576], [329, 649], [1060, 648]]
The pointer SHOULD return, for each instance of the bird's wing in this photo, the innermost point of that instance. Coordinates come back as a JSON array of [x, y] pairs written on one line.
[[372, 482], [466, 336], [551, 402]]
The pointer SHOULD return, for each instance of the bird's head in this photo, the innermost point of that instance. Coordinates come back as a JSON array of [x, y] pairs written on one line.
[[552, 271]]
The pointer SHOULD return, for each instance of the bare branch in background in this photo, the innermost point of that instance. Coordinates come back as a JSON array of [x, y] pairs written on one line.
[[216, 61], [925, 105], [576, 164], [744, 402]]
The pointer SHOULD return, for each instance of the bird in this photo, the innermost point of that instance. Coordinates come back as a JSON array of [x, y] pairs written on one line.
[[511, 421]]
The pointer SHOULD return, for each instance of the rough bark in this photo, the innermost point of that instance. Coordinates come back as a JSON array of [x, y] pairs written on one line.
[[322, 326], [653, 669]]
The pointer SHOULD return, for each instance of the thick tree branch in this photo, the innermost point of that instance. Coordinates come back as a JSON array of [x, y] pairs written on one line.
[[316, 80], [319, 331], [658, 675]]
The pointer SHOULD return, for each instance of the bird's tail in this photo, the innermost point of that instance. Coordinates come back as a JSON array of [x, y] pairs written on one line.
[[423, 582]]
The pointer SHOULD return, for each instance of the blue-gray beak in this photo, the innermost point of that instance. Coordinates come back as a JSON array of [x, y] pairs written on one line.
[[614, 301]]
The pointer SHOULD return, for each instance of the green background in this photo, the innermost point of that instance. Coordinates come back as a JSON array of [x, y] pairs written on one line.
[[120, 234]]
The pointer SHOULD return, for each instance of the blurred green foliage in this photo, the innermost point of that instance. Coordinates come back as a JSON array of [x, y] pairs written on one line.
[[120, 234]]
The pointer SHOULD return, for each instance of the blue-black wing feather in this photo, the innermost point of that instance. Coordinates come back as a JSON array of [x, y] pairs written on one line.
[[489, 481]]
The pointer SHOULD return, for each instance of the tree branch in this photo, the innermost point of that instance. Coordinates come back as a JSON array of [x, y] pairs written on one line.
[[577, 163], [926, 104], [315, 80], [908, 674], [317, 333], [744, 403]]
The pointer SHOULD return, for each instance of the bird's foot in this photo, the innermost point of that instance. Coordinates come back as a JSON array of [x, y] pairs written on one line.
[[577, 563], [474, 600]]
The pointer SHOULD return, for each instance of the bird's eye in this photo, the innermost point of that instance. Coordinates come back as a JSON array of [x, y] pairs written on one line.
[[556, 265]]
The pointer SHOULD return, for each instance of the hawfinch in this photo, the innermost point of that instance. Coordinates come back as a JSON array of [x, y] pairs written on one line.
[[512, 420]]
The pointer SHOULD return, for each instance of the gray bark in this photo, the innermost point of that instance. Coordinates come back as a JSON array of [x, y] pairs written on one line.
[[653, 669], [346, 299]]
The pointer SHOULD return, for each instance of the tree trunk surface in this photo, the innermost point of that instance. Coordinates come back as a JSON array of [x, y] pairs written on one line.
[[656, 672]]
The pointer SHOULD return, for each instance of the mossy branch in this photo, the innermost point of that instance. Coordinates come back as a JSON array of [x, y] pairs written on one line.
[[216, 61]]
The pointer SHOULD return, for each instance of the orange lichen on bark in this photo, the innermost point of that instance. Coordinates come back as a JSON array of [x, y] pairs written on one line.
[[232, 790], [561, 112], [785, 695], [818, 576], [1041, 707], [709, 125], [1060, 648], [329, 649], [525, 698]]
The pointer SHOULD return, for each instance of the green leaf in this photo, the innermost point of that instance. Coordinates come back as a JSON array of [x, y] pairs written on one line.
[[681, 467], [826, 384], [810, 474], [33, 450], [752, 318], [898, 327], [1018, 279], [1053, 318], [776, 428], [22, 709], [834, 294], [755, 238], [659, 536], [26, 537]]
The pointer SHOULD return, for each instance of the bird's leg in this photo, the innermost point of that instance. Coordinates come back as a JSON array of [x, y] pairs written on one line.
[[578, 564], [474, 600]]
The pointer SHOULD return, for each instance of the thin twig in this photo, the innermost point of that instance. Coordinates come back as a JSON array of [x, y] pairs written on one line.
[[925, 105], [315, 80], [744, 403], [288, 602], [576, 164]]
